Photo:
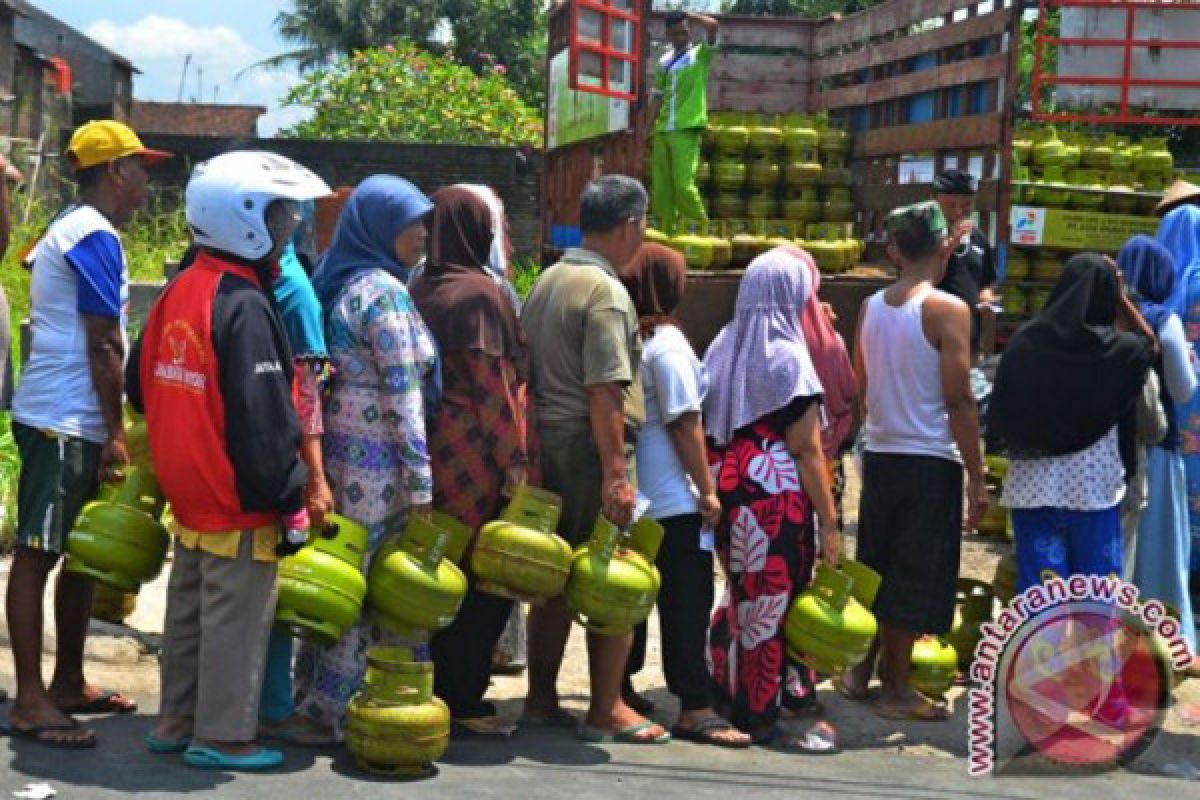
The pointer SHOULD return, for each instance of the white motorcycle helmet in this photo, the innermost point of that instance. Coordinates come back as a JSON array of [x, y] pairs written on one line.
[[227, 197]]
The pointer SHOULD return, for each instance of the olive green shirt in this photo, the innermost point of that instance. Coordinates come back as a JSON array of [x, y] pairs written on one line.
[[583, 331]]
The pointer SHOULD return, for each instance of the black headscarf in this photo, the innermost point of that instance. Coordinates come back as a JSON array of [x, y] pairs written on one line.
[[1068, 376]]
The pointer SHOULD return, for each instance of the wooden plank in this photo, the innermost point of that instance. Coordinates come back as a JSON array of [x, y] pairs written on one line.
[[969, 30], [742, 31], [958, 133], [895, 15], [957, 73], [751, 67], [764, 96], [878, 197]]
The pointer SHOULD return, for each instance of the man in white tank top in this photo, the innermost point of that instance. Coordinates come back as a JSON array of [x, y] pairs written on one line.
[[912, 359]]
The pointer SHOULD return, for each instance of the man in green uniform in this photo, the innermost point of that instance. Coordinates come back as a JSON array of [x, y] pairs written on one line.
[[680, 106]]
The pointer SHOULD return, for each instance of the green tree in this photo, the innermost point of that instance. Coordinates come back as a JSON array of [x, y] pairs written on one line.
[[322, 29], [404, 93], [505, 34], [484, 34]]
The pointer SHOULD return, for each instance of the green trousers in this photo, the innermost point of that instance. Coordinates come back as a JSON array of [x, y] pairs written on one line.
[[673, 163]]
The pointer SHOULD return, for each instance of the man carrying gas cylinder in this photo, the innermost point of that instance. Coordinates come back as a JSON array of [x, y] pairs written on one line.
[[213, 372], [679, 106]]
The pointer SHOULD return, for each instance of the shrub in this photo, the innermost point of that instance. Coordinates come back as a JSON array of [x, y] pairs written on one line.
[[403, 93]]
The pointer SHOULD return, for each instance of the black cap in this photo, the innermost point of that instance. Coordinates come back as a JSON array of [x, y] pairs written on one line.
[[955, 181], [673, 18]]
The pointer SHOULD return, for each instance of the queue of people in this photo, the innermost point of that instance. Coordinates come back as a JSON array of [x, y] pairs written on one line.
[[399, 373]]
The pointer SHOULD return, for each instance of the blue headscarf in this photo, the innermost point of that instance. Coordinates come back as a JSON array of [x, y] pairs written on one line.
[[381, 208], [294, 296], [1179, 232], [1149, 272]]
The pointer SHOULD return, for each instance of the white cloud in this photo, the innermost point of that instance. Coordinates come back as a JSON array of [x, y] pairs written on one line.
[[155, 38], [158, 46]]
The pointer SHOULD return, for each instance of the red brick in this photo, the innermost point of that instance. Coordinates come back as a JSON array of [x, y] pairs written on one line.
[[196, 119]]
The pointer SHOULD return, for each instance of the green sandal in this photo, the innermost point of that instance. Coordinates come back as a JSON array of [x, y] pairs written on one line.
[[211, 758], [627, 735]]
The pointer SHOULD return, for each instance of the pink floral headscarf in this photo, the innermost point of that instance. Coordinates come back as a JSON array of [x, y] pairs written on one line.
[[760, 362]]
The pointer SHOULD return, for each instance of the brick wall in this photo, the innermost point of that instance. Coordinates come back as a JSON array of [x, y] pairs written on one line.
[[514, 174], [196, 119]]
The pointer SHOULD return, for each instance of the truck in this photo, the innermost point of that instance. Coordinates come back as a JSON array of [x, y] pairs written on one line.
[[921, 86]]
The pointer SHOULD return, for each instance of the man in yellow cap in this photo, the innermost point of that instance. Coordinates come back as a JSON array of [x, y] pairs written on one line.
[[67, 423]]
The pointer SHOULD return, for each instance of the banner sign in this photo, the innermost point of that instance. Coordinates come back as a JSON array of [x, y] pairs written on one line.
[[574, 116], [1076, 230]]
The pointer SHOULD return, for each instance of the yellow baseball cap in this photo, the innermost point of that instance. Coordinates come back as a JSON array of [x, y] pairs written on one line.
[[104, 140]]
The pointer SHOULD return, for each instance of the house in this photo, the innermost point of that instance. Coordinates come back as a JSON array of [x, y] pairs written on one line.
[[102, 81], [196, 119]]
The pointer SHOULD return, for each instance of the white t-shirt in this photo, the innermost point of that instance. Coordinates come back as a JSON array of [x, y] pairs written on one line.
[[78, 268], [674, 382]]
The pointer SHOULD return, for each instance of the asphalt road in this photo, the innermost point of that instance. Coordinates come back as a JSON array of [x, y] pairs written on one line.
[[553, 765]]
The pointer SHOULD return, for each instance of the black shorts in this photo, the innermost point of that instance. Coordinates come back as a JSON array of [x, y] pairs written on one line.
[[59, 476], [910, 532]]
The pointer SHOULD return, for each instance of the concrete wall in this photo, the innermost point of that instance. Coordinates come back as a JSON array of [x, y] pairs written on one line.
[[513, 173]]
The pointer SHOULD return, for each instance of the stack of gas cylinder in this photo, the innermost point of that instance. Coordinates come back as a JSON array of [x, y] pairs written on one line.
[[766, 180]]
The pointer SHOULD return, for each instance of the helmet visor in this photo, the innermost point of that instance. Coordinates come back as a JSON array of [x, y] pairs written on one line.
[[283, 217]]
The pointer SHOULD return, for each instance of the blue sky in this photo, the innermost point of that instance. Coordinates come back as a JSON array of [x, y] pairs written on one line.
[[223, 37]]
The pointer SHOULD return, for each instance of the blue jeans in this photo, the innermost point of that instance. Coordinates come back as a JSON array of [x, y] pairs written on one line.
[[1057, 541], [278, 694]]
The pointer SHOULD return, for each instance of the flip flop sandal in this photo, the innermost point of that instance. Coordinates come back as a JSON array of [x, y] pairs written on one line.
[[107, 702], [811, 743], [626, 735], [493, 727], [856, 696], [507, 670], [211, 758], [928, 711], [703, 734], [162, 747], [558, 719], [300, 733], [35, 734]]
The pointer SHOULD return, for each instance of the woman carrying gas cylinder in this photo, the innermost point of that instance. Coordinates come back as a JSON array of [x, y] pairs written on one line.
[[478, 437], [385, 372], [763, 418]]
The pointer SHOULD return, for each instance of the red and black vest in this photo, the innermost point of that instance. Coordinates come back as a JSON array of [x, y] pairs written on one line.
[[185, 409]]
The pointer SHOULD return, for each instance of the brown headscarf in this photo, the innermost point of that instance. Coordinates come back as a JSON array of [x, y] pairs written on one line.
[[656, 279], [462, 304]]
